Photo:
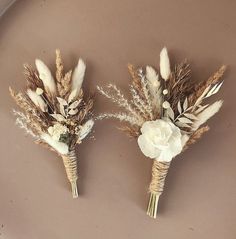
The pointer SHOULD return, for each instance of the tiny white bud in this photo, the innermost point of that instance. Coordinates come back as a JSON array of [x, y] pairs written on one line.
[[166, 105], [165, 92], [39, 91]]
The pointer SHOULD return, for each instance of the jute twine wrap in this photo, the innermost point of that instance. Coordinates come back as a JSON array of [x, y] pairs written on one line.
[[70, 163], [159, 173]]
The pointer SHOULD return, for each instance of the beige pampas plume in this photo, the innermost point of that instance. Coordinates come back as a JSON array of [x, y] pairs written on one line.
[[207, 114], [37, 100], [46, 76], [164, 64], [78, 76]]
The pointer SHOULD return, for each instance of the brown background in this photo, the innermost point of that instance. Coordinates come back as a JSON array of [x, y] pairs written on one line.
[[200, 194]]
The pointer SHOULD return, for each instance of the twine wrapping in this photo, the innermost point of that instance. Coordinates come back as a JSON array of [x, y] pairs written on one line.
[[70, 163], [159, 173]]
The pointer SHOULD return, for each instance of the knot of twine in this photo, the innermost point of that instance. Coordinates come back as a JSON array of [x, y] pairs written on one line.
[[159, 172], [70, 163]]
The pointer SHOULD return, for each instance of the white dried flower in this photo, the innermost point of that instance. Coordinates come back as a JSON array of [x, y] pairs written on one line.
[[85, 129], [46, 76], [166, 105], [78, 77], [60, 147], [57, 130], [164, 64], [160, 140], [37, 100]]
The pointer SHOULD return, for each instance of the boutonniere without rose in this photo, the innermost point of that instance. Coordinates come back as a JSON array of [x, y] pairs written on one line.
[[166, 114], [55, 112]]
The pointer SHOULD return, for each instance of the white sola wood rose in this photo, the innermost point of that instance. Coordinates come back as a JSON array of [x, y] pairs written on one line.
[[160, 140]]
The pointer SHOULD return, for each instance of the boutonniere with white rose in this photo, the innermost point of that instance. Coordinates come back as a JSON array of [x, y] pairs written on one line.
[[55, 112], [165, 114]]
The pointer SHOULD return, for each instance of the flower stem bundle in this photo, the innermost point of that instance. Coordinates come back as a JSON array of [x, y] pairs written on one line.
[[55, 112], [166, 114]]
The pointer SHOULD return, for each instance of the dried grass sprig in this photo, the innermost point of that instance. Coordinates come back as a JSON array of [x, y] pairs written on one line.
[[165, 114], [56, 115]]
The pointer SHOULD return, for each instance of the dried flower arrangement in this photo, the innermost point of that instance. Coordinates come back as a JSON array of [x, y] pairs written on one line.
[[54, 112], [165, 113]]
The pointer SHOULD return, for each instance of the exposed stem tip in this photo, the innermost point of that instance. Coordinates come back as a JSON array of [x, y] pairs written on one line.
[[153, 205], [159, 173], [74, 189]]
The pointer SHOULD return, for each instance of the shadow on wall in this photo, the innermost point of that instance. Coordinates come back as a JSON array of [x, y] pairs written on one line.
[[5, 5]]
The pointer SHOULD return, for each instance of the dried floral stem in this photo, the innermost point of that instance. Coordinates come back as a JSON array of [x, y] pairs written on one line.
[[159, 173], [70, 163]]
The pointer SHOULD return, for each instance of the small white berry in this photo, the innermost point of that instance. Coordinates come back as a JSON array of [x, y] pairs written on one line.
[[165, 92], [39, 91], [166, 105]]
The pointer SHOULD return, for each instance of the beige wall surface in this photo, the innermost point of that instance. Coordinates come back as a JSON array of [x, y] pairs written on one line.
[[200, 195]]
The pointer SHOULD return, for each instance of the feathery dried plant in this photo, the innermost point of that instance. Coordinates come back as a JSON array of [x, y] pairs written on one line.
[[166, 113], [55, 112]]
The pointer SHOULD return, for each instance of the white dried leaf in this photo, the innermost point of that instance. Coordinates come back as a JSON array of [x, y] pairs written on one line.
[[73, 111], [62, 110], [214, 89], [185, 120], [185, 105], [190, 116], [74, 104], [62, 101], [182, 125], [179, 107], [170, 113], [58, 117]]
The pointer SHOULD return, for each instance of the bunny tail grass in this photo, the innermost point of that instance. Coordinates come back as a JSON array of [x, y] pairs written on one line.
[[159, 173], [70, 163]]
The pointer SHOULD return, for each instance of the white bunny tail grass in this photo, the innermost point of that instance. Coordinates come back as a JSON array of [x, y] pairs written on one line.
[[46, 76], [159, 173], [78, 76], [207, 113], [164, 64]]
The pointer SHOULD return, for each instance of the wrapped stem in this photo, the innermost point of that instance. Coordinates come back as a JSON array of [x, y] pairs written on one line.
[[159, 172], [70, 163]]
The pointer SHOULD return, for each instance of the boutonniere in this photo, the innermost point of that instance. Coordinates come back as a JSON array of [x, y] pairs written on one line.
[[166, 114], [54, 111]]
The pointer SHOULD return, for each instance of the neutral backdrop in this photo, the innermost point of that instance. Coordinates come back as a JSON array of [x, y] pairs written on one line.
[[200, 193]]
